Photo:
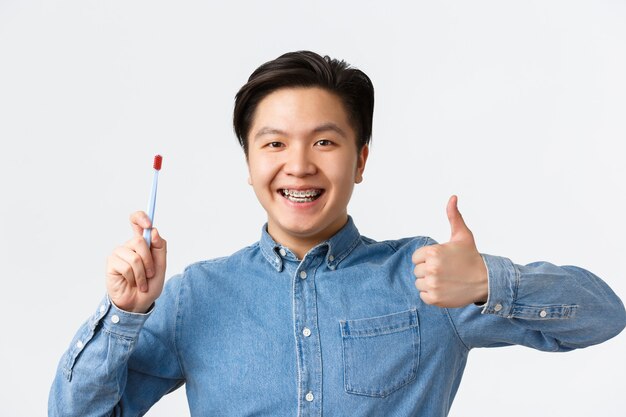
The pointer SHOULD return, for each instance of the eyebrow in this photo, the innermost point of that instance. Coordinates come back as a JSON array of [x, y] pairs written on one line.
[[324, 127], [268, 131], [330, 127]]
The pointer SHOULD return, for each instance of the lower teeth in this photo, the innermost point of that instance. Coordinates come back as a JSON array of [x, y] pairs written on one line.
[[300, 199]]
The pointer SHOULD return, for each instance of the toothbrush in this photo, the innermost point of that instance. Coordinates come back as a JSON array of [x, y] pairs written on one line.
[[147, 233]]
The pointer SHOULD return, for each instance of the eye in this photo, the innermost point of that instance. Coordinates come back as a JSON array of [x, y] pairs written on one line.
[[275, 144], [324, 142]]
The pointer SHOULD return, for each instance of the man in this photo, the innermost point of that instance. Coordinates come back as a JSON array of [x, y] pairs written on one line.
[[315, 319]]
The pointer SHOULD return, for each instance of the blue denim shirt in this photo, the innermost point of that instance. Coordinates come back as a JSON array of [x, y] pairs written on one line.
[[342, 332]]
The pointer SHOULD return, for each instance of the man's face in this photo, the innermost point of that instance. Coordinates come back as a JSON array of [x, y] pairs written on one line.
[[303, 164]]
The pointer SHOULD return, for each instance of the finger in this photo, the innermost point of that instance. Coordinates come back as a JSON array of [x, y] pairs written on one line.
[[458, 229], [427, 298], [419, 256], [427, 253], [420, 284], [118, 266], [158, 248], [420, 270], [139, 221], [134, 260], [139, 245]]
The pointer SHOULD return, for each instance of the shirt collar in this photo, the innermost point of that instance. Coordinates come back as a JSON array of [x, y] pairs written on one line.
[[337, 247]]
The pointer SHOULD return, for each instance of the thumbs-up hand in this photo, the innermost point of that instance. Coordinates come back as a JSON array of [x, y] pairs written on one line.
[[452, 274]]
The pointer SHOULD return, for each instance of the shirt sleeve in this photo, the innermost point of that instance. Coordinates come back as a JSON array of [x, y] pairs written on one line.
[[542, 306], [119, 363]]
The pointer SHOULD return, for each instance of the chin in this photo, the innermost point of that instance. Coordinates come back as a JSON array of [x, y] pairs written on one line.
[[301, 229]]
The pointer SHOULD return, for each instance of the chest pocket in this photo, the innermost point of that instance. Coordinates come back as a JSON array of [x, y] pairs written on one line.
[[380, 354]]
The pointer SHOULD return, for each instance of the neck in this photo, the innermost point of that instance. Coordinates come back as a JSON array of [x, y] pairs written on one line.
[[301, 244]]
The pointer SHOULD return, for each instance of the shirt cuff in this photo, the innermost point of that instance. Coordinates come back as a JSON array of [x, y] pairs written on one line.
[[503, 282], [120, 322]]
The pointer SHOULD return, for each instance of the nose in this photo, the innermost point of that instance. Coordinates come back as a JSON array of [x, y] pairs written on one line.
[[299, 162]]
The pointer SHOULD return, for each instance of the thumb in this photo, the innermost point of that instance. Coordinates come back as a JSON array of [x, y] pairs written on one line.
[[458, 229], [158, 248]]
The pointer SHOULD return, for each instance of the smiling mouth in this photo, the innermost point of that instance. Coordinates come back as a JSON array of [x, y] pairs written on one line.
[[301, 196]]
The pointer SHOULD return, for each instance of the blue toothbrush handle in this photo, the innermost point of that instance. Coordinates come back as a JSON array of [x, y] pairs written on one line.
[[147, 233]]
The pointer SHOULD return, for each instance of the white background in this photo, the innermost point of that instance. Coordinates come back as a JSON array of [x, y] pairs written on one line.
[[516, 106]]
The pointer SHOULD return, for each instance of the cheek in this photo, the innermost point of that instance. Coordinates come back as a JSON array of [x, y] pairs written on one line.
[[342, 176], [261, 173]]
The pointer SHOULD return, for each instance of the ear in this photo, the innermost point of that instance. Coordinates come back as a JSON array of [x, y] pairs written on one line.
[[249, 173], [360, 164]]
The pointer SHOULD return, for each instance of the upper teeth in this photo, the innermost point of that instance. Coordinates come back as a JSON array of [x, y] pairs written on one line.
[[301, 193]]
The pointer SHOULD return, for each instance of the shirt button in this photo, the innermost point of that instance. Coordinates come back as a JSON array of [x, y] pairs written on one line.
[[79, 344], [282, 252], [497, 307], [115, 319], [303, 274], [543, 313], [306, 332], [331, 258], [309, 396]]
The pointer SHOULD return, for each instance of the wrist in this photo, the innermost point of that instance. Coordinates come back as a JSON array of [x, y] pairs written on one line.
[[121, 322], [134, 309], [482, 293]]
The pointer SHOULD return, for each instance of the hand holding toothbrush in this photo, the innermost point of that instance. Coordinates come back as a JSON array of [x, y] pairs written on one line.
[[135, 271]]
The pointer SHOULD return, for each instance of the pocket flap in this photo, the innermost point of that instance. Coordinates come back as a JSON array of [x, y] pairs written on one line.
[[375, 326]]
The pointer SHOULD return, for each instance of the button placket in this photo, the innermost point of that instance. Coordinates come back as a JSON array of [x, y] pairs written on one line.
[[309, 359]]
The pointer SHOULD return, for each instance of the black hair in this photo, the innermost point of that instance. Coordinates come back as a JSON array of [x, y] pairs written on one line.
[[308, 69]]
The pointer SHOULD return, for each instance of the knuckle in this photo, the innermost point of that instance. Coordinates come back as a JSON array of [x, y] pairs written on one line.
[[127, 271], [138, 217], [135, 260], [134, 216], [433, 270]]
